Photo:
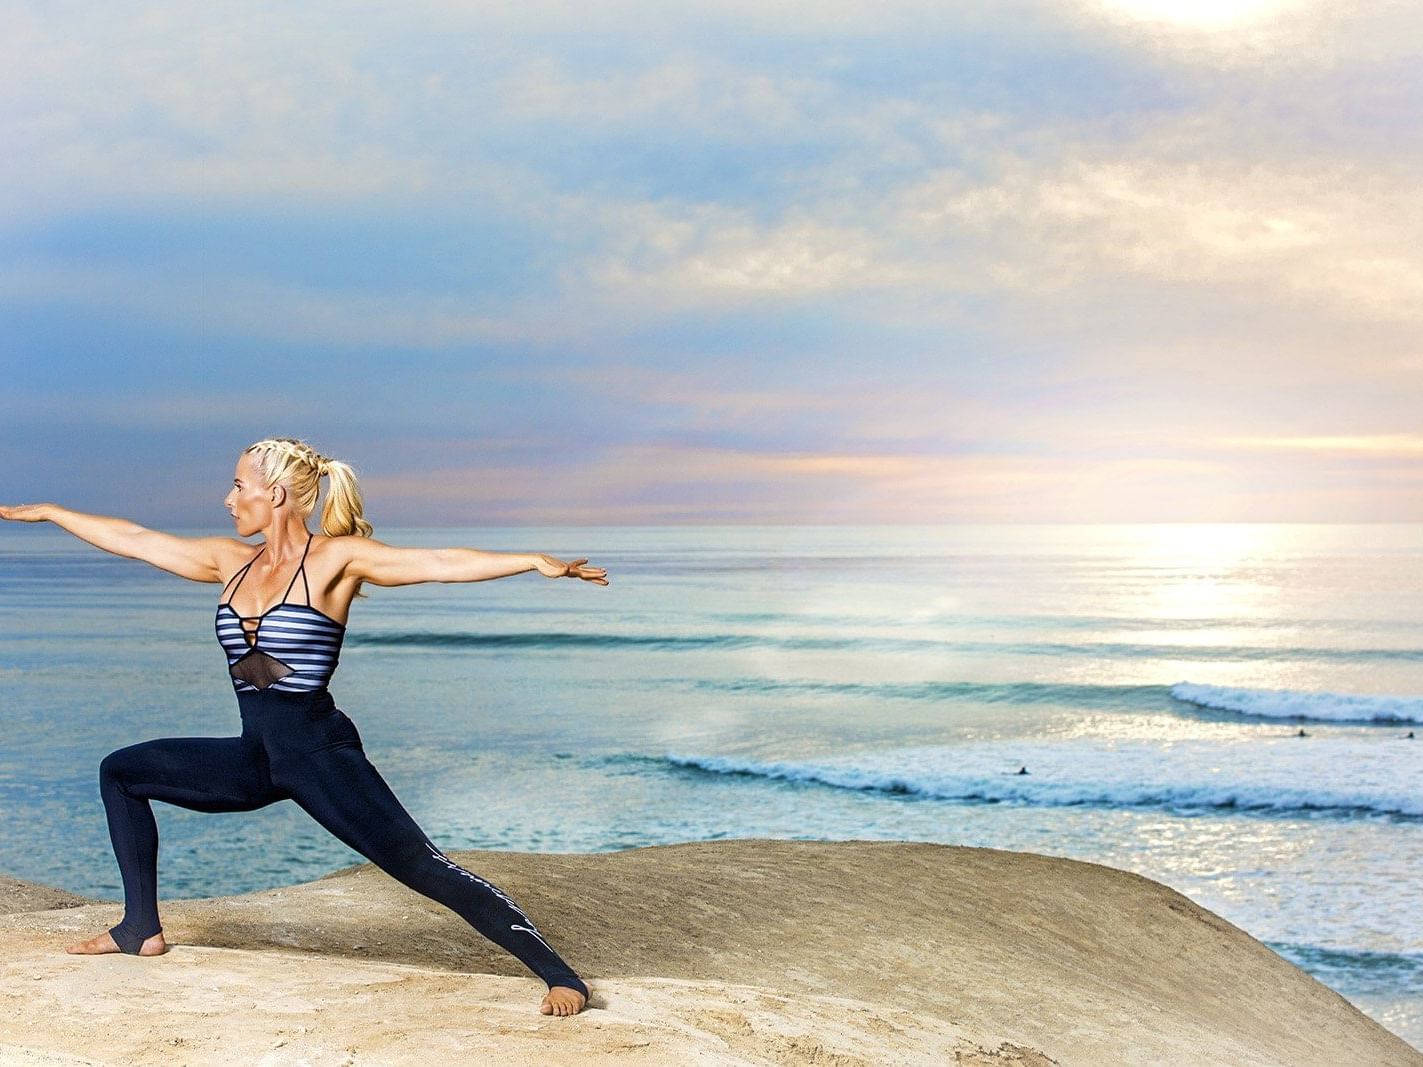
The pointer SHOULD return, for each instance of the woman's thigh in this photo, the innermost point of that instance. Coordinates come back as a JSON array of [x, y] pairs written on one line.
[[200, 773], [342, 790]]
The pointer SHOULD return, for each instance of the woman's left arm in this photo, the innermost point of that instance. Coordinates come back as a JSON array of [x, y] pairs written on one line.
[[381, 564]]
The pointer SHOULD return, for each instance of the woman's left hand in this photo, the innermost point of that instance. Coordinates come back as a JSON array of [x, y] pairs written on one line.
[[550, 567]]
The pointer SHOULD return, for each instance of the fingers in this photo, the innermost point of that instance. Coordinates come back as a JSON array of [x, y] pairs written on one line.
[[576, 569]]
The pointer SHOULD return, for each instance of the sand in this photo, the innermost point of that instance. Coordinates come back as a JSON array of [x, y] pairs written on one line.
[[744, 951]]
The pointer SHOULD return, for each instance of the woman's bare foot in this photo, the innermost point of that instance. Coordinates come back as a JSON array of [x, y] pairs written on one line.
[[153, 946], [562, 1000]]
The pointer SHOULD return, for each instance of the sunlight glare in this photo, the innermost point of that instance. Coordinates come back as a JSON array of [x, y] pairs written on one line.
[[1200, 567], [1208, 15]]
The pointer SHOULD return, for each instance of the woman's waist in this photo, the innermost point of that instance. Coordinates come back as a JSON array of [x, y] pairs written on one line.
[[310, 702], [291, 727]]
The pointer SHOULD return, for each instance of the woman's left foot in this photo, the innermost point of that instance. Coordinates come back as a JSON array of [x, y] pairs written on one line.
[[562, 1000], [95, 946]]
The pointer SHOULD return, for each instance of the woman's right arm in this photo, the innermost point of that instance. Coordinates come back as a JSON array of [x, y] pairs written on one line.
[[200, 559]]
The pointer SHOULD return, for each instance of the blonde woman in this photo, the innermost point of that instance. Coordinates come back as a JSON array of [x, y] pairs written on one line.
[[281, 620]]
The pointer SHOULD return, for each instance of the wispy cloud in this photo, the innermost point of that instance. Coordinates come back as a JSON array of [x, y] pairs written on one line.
[[1387, 444]]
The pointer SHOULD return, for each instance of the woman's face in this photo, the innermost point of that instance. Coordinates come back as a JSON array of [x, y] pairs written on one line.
[[249, 501]]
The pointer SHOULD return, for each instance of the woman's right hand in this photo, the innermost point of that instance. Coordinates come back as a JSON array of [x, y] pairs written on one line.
[[25, 512]]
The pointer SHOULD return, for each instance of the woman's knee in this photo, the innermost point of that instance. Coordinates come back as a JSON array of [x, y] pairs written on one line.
[[122, 761]]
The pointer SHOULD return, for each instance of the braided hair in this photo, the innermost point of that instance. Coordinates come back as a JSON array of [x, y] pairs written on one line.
[[292, 462]]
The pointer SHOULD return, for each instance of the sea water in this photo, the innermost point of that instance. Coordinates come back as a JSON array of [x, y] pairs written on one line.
[[1222, 708]]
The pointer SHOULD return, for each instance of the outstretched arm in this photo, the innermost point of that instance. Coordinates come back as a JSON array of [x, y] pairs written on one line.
[[196, 558], [381, 564]]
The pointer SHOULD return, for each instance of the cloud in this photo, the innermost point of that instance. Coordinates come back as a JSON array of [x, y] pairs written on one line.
[[688, 89], [673, 483], [1303, 233], [1323, 239], [706, 254], [255, 308], [1402, 445], [139, 410]]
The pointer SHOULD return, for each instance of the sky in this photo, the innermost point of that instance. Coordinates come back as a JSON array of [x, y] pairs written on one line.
[[815, 262]]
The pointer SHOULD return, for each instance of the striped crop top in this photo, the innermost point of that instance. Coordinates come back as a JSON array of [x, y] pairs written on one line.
[[293, 648]]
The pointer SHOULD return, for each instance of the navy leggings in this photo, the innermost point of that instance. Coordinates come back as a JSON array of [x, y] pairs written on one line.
[[296, 746]]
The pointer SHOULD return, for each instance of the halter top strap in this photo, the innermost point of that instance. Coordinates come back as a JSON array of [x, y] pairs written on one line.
[[300, 569]]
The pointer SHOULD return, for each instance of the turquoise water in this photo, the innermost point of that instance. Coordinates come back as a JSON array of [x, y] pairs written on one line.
[[807, 682]]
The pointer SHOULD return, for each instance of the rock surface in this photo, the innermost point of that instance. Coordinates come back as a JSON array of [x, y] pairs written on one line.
[[742, 951]]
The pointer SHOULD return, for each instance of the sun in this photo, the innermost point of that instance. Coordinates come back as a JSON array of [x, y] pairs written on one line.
[[1198, 14]]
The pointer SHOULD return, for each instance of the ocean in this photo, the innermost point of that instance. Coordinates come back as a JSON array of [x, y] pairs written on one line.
[[1225, 709]]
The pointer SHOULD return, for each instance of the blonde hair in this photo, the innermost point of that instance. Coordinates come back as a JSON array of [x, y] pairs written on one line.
[[296, 465]]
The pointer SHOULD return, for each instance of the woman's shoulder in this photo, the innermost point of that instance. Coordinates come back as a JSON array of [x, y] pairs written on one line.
[[341, 550], [231, 554], [345, 543], [233, 548]]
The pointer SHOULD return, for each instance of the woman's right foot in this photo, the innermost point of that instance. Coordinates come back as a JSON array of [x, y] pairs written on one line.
[[563, 1000], [153, 946]]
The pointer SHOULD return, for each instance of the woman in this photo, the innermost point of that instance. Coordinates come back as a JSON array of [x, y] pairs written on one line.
[[295, 743]]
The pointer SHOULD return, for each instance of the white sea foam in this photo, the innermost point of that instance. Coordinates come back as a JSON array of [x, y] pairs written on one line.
[[1299, 704], [1378, 775]]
